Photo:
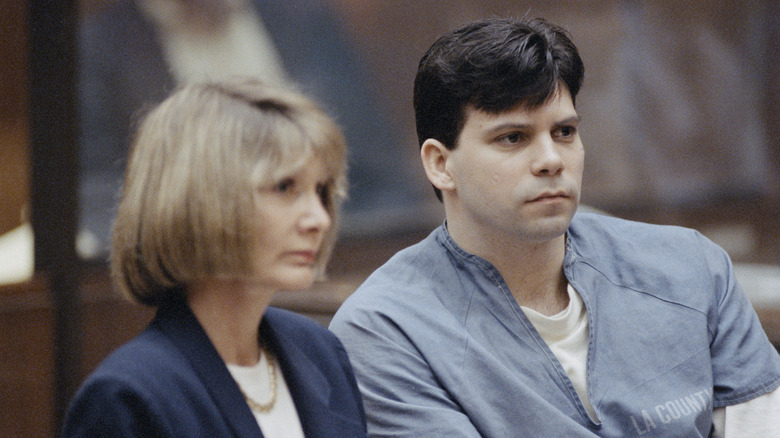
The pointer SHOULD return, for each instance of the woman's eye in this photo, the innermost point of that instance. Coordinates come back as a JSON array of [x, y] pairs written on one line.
[[284, 185], [323, 191]]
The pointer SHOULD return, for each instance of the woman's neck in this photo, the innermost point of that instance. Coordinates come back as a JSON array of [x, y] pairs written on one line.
[[230, 312]]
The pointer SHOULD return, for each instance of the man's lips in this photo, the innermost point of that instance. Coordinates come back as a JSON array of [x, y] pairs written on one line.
[[550, 196]]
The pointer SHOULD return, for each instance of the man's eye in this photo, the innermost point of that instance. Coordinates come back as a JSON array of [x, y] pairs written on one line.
[[514, 137], [567, 131]]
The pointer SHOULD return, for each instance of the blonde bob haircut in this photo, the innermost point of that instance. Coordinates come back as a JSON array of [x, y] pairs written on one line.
[[188, 204]]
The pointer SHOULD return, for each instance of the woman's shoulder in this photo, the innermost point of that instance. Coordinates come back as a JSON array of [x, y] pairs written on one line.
[[145, 387], [149, 356], [283, 320], [287, 328]]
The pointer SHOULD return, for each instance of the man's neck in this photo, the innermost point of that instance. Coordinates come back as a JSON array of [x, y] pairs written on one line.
[[533, 271], [534, 275]]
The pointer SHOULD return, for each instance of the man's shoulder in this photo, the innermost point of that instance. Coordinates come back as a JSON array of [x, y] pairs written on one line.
[[606, 242], [605, 221], [643, 256], [410, 265], [409, 280], [598, 230]]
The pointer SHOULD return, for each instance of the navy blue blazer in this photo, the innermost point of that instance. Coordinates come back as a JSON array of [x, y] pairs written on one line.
[[170, 381]]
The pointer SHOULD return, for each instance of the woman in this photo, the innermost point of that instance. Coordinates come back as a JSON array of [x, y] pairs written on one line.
[[231, 193]]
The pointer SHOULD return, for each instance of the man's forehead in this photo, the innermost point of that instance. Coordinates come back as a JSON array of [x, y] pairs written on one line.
[[560, 107]]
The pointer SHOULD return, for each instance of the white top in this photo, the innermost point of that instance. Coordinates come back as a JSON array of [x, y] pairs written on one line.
[[282, 420], [566, 333]]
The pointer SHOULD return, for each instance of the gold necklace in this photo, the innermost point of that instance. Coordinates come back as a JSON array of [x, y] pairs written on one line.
[[267, 406]]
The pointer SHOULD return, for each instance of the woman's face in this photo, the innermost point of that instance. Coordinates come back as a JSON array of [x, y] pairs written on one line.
[[293, 222]]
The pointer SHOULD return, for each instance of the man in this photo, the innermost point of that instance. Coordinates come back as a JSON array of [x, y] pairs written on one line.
[[519, 318]]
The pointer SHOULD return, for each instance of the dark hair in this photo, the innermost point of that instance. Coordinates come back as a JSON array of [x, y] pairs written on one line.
[[491, 65]]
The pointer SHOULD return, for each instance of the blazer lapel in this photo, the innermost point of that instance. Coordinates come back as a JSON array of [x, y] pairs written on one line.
[[309, 387], [178, 322]]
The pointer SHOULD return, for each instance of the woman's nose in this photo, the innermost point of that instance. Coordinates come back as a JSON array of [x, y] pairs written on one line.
[[315, 217]]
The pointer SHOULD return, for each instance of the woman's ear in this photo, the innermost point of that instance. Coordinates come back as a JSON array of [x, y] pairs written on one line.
[[434, 157]]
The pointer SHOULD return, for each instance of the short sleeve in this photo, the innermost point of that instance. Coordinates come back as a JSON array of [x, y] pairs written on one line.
[[745, 364]]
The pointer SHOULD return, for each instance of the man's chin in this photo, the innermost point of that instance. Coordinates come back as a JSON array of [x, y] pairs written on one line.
[[552, 227]]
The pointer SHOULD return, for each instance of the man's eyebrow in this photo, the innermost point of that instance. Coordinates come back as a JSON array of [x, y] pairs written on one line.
[[573, 120], [510, 126], [513, 126]]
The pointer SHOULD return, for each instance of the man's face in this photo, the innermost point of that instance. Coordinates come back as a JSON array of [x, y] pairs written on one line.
[[515, 175]]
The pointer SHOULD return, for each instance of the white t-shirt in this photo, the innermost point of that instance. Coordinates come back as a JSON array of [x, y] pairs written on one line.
[[566, 333], [567, 336]]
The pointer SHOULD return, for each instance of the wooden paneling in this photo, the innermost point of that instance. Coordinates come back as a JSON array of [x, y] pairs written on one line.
[[26, 362], [14, 152]]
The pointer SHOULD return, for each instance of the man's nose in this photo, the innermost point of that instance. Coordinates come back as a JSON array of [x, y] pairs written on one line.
[[547, 159]]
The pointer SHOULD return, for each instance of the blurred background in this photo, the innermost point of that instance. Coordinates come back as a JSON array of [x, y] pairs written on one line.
[[679, 124]]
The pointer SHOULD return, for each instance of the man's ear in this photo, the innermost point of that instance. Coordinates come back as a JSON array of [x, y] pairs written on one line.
[[434, 157]]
